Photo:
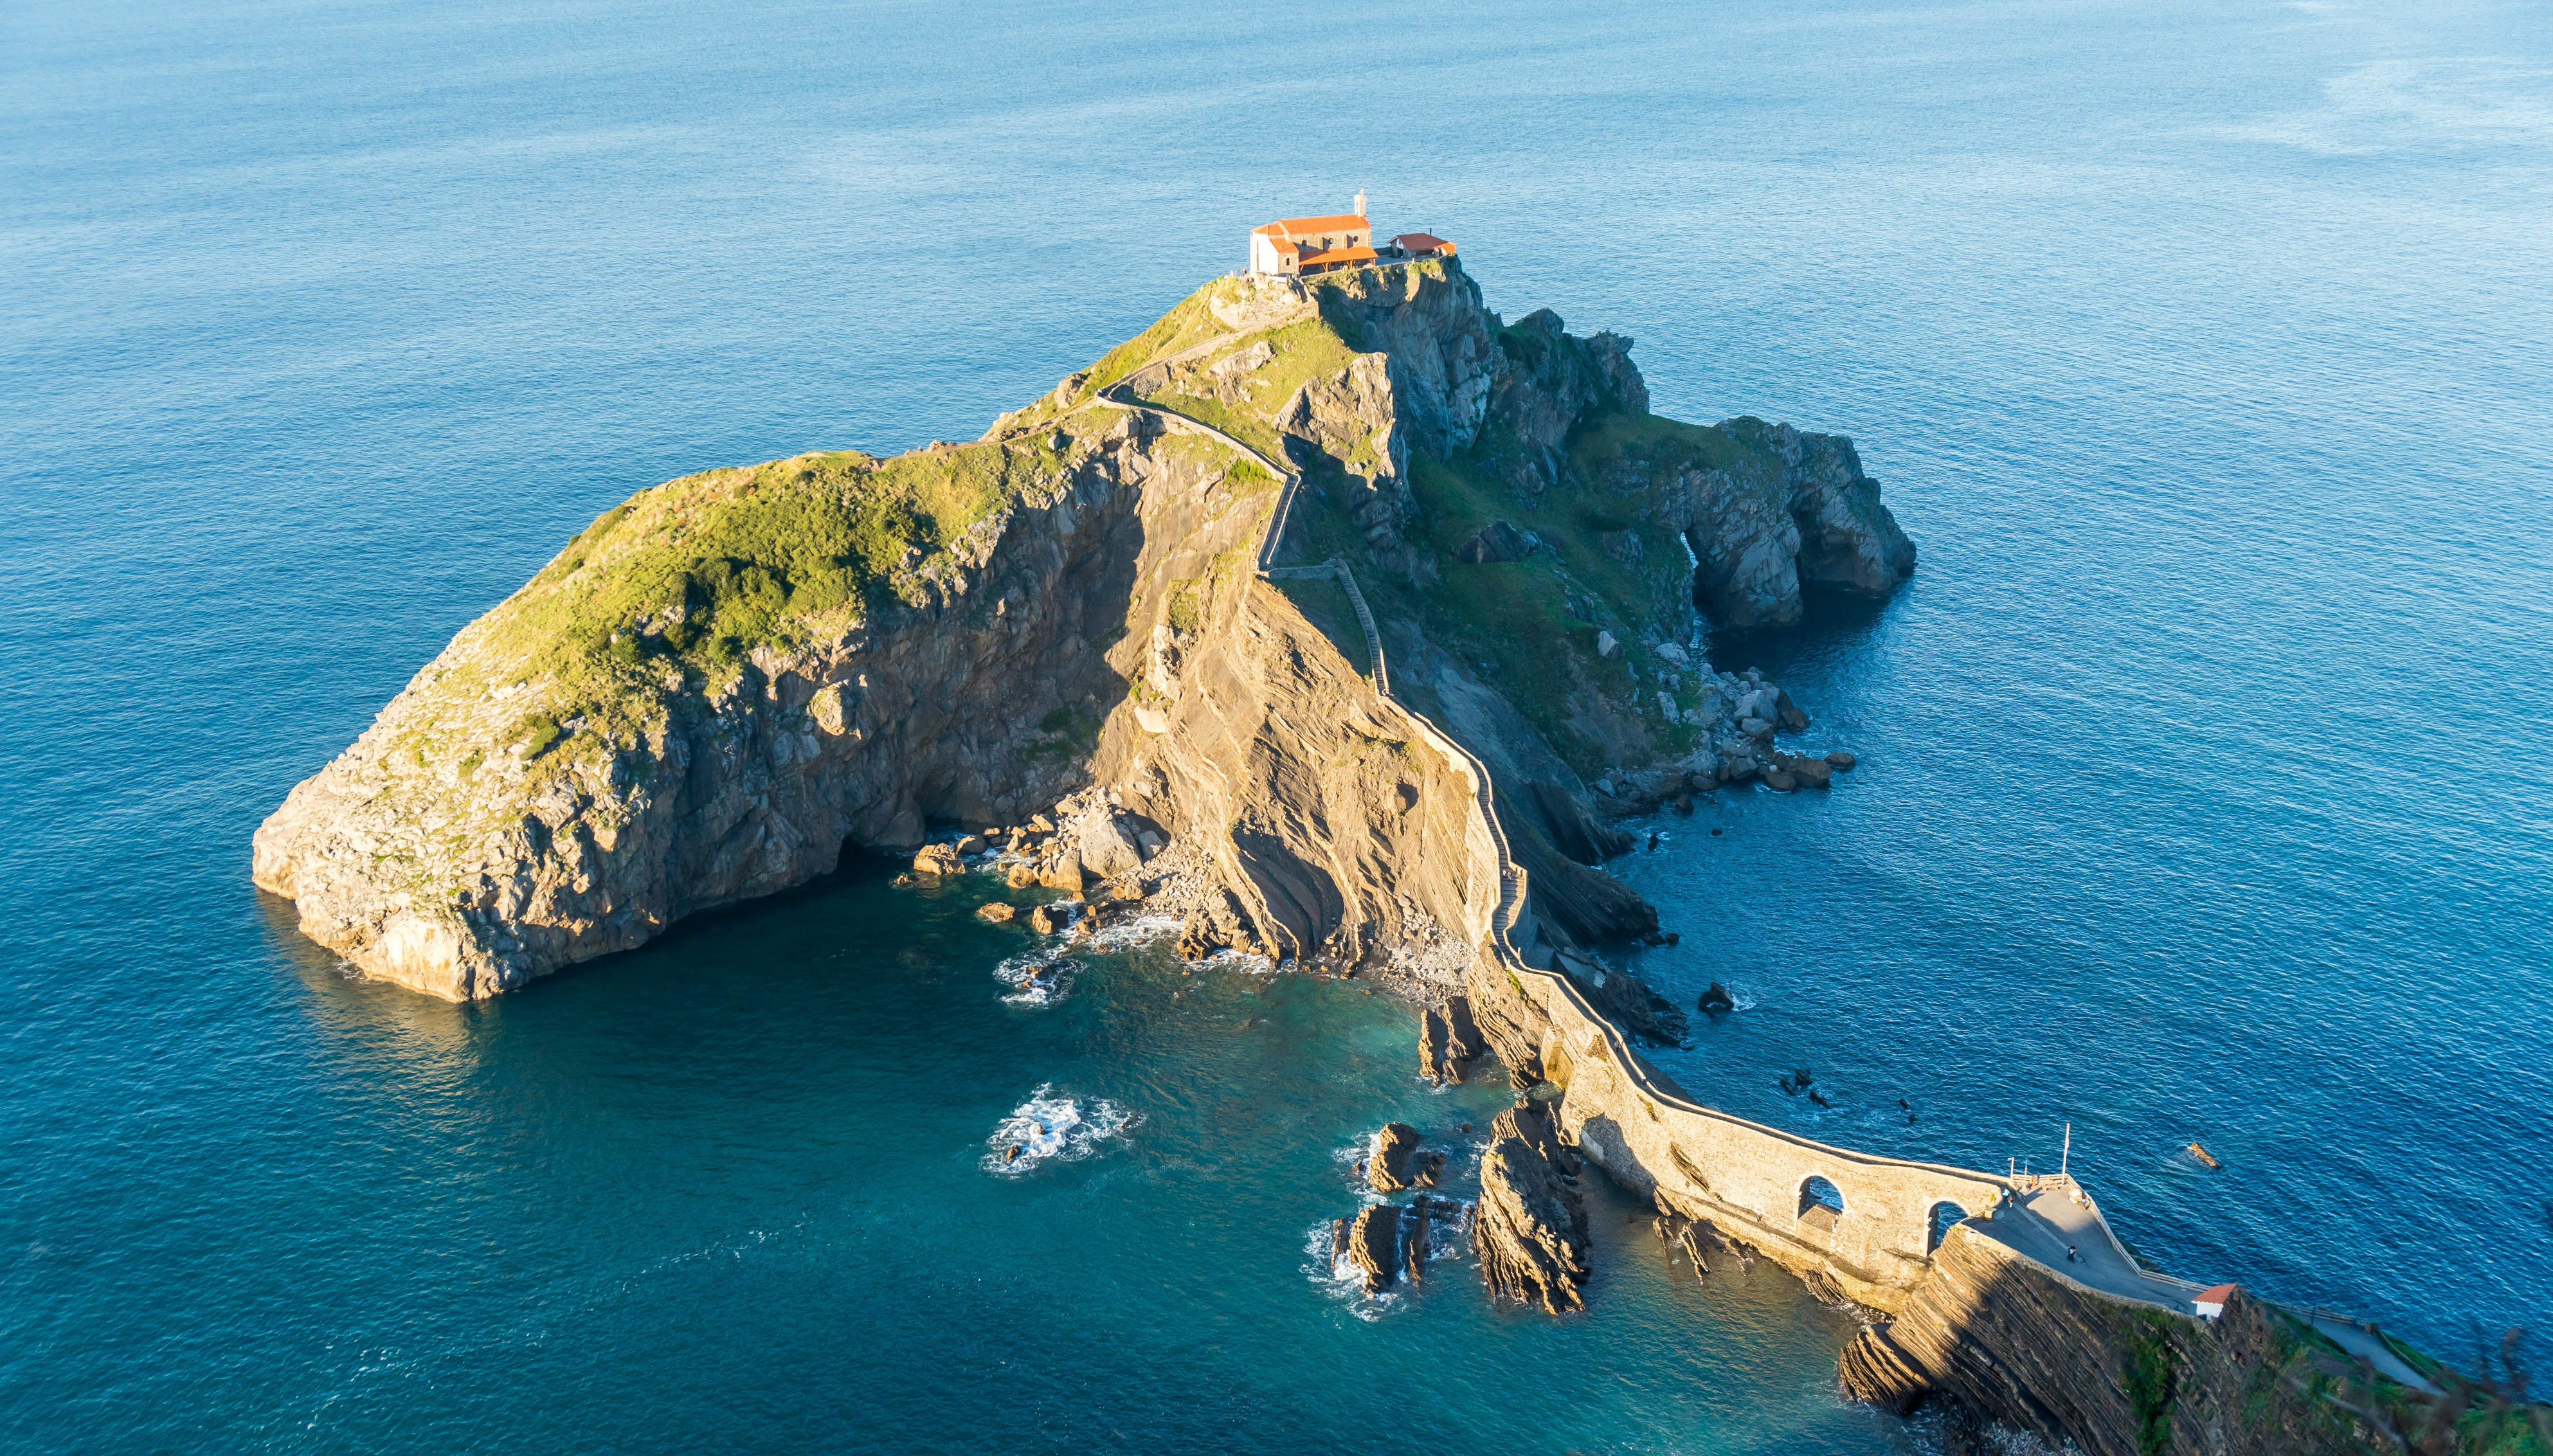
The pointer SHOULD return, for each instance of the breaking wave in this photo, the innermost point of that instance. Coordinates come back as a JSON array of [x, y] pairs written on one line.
[[1037, 977], [1138, 930], [1047, 1128]]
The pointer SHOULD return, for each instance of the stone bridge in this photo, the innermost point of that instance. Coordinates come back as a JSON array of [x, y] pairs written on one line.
[[1851, 1223]]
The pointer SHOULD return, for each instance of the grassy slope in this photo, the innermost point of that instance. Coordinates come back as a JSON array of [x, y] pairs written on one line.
[[1534, 623], [678, 585]]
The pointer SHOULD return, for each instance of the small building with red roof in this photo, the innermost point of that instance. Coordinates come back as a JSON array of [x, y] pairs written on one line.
[[2210, 1301], [1302, 246]]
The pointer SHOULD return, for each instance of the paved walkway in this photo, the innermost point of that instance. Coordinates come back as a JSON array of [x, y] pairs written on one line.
[[2369, 1348], [2042, 1225]]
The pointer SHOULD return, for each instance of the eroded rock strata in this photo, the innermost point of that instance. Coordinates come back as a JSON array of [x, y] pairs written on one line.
[[2003, 1342], [1531, 1226]]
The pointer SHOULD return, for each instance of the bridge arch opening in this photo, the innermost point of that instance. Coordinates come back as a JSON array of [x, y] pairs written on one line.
[[1820, 1202], [1946, 1216]]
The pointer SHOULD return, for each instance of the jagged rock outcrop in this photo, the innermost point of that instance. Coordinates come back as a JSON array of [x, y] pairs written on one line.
[[1346, 427], [1448, 1038], [1441, 343], [1531, 1226], [1374, 1246], [1794, 512], [1388, 1169]]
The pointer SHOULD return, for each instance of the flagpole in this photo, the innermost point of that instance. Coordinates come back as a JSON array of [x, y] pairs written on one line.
[[2067, 1157]]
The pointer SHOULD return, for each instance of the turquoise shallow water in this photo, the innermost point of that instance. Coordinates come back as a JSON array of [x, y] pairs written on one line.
[[2201, 347]]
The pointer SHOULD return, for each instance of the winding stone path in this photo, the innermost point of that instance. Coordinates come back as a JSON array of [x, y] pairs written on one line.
[[2039, 1225]]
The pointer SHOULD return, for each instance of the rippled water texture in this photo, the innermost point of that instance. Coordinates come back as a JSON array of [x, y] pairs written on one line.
[[2202, 347]]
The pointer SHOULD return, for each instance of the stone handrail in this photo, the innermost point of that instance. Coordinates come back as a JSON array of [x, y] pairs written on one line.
[[1120, 396]]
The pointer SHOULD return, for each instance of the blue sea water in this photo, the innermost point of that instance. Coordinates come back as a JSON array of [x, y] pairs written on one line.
[[2201, 346]]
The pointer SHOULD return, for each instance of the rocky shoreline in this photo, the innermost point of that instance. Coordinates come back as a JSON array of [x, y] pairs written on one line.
[[1048, 653]]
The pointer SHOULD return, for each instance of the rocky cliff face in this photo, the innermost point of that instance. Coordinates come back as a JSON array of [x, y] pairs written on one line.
[[2001, 1340], [731, 680]]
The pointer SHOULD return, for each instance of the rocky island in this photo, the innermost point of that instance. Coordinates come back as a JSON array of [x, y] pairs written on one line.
[[1340, 619]]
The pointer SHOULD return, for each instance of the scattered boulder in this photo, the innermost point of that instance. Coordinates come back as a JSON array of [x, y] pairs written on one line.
[[970, 846], [1496, 542], [1106, 847], [937, 861], [1788, 712], [1839, 759], [1715, 1001], [1064, 872], [1046, 920], [1606, 647], [1672, 652], [998, 912], [1779, 781], [1684, 805], [1815, 773]]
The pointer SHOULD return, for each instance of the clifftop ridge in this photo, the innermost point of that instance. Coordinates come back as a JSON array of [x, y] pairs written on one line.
[[728, 679]]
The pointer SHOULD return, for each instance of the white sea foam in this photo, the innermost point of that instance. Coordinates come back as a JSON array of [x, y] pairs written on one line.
[[1243, 962], [1040, 977], [1333, 1273], [1141, 930], [1338, 1277], [1053, 1128]]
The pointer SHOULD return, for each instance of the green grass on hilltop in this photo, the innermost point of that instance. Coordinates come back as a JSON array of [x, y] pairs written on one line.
[[748, 558], [1299, 353]]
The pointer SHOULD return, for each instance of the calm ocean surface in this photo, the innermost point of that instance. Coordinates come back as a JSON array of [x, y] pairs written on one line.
[[2204, 348]]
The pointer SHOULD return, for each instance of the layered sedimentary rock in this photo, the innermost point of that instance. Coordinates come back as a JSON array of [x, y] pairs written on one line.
[[2009, 1342], [1531, 1226]]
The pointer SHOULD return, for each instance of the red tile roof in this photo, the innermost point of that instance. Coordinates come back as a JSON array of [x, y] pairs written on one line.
[[1419, 242], [2215, 1295], [1340, 255], [1345, 222]]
